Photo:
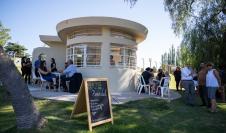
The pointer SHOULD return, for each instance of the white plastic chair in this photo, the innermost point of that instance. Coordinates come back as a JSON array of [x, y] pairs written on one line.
[[142, 84], [34, 78], [164, 86], [43, 81]]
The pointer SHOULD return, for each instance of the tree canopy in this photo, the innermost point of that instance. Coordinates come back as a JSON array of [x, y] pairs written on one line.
[[202, 23], [15, 47], [4, 35]]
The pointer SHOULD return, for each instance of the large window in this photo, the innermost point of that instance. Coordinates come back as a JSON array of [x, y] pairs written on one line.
[[85, 54], [85, 32], [123, 56], [121, 34]]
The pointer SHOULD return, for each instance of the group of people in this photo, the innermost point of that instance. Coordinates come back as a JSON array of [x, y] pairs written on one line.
[[26, 68], [150, 79], [209, 80], [49, 74]]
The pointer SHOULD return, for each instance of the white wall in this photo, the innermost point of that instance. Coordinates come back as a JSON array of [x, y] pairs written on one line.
[[58, 53]]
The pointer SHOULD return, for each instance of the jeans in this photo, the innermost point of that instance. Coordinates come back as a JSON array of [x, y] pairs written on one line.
[[189, 91]]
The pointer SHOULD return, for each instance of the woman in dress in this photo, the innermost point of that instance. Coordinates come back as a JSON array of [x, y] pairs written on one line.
[[46, 74]]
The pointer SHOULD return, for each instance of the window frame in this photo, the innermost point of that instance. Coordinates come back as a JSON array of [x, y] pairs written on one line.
[[125, 64], [85, 54]]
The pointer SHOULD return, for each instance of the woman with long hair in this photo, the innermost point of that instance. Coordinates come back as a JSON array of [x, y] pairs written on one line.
[[28, 68], [53, 65], [23, 65], [46, 74]]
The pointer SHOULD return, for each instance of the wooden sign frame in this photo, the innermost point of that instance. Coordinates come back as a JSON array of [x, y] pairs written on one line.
[[82, 103]]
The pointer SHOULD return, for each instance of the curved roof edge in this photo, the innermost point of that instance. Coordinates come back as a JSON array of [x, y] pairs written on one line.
[[139, 30], [48, 39]]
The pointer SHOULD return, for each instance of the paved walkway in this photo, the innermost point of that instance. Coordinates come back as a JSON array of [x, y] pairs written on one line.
[[117, 98]]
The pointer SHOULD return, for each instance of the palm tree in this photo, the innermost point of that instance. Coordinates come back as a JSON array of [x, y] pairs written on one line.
[[27, 115]]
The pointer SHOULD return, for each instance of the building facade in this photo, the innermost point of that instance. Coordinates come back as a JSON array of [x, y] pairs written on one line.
[[102, 47]]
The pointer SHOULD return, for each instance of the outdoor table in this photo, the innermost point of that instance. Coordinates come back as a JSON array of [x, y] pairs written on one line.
[[57, 74]]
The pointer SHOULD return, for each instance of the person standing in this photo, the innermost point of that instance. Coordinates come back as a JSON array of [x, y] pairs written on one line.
[[28, 68], [213, 82], [223, 81], [37, 65], [188, 84], [23, 64], [202, 85], [177, 76]]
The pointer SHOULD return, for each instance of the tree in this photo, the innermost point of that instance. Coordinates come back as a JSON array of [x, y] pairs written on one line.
[[132, 2], [178, 57], [203, 27], [27, 115], [169, 58], [4, 35], [15, 47]]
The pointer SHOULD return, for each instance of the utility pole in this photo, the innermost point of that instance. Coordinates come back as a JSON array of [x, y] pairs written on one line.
[[143, 63], [150, 61]]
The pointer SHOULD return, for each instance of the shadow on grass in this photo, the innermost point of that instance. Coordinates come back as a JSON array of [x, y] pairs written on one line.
[[148, 115]]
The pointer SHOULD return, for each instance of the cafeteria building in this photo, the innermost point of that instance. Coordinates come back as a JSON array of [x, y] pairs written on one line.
[[100, 47]]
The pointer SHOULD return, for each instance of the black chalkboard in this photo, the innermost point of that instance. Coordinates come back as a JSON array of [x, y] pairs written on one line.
[[98, 101], [94, 98]]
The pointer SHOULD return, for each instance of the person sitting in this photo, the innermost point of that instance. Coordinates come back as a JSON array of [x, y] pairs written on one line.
[[160, 74], [65, 65], [112, 62], [148, 76], [53, 65], [68, 73], [46, 74]]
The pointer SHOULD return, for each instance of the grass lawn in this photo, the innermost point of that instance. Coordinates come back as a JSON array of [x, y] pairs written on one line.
[[149, 115]]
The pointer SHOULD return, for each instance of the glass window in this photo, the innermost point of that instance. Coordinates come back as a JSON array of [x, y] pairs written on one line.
[[123, 56], [85, 54], [85, 32], [121, 34], [93, 55]]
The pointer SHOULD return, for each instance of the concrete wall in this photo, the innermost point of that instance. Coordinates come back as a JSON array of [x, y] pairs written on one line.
[[120, 79], [57, 52]]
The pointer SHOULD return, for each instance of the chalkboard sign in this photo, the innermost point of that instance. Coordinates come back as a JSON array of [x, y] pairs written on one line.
[[98, 101], [94, 98]]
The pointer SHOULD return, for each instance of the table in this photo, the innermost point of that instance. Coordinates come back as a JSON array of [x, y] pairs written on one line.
[[57, 74]]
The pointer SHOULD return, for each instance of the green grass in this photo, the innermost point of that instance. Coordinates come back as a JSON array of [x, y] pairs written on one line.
[[149, 115], [172, 84]]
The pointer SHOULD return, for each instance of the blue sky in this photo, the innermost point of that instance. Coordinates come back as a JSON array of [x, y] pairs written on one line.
[[28, 19]]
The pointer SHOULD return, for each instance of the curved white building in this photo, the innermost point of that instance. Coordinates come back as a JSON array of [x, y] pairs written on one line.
[[99, 46]]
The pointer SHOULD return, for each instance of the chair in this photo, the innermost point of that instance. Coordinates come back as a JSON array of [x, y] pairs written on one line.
[[164, 86], [75, 83], [34, 78], [43, 81], [142, 84]]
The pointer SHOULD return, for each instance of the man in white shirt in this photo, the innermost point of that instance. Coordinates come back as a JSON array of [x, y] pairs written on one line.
[[68, 73], [188, 84]]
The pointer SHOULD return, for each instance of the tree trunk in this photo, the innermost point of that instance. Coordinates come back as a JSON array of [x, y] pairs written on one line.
[[27, 115]]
